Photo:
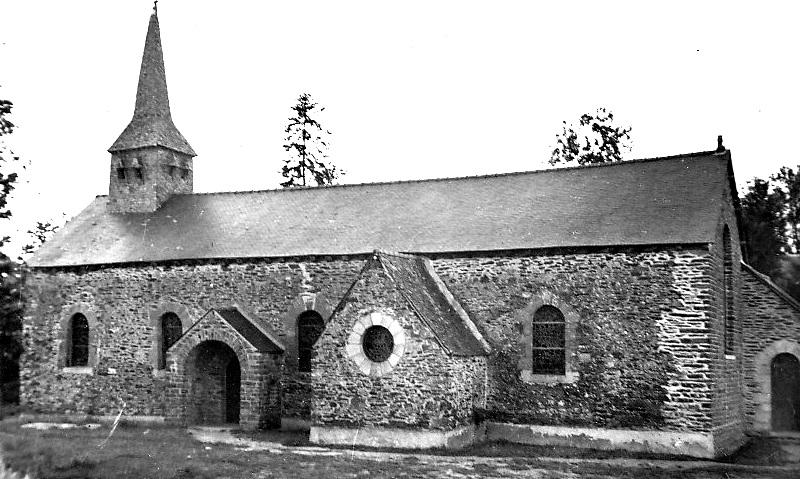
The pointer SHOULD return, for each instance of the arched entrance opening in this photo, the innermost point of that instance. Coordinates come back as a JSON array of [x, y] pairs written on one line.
[[233, 381], [215, 384], [785, 379]]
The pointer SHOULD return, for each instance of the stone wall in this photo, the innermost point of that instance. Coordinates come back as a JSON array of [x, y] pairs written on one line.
[[121, 299], [771, 322], [142, 179], [643, 358], [426, 389], [726, 360], [641, 355]]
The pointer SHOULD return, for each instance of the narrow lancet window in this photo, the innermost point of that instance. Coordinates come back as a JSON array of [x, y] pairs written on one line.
[[79, 341], [548, 339], [171, 330], [309, 329]]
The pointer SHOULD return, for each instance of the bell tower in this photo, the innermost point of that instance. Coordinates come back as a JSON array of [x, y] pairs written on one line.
[[151, 160]]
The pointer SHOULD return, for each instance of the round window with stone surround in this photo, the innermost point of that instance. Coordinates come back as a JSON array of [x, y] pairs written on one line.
[[376, 344]]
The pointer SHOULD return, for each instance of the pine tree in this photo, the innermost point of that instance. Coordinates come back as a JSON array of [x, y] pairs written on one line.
[[305, 141]]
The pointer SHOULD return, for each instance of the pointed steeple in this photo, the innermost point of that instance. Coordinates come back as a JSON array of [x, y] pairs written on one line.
[[152, 122], [150, 161]]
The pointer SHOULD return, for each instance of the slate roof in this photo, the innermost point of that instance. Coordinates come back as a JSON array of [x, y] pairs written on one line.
[[435, 305], [250, 328], [674, 200], [152, 121]]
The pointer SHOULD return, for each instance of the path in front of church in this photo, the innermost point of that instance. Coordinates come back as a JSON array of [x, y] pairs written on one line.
[[380, 464]]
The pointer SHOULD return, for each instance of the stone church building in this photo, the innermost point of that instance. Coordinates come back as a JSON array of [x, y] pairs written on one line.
[[601, 306]]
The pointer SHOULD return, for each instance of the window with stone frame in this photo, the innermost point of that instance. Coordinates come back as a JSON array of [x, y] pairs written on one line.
[[728, 309], [548, 331], [171, 330], [309, 328], [78, 337]]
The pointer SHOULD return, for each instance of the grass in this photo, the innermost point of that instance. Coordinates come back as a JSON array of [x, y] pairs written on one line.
[[132, 452], [140, 451]]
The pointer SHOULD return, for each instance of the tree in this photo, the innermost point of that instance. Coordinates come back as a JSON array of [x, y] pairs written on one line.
[[11, 280], [602, 142], [788, 278], [305, 143], [788, 186], [39, 235], [7, 158], [10, 276], [764, 227]]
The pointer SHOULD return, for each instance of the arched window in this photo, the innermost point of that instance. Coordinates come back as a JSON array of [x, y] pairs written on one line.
[[78, 341], [548, 340], [171, 330], [309, 329], [729, 314]]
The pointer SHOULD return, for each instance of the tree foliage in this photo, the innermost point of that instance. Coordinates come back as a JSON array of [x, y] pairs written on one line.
[[771, 224], [788, 277], [10, 275], [39, 235], [11, 280], [7, 161], [764, 226], [305, 142], [788, 187], [594, 140]]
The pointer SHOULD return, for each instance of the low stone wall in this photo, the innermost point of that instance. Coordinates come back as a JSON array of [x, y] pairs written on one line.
[[397, 438], [693, 444]]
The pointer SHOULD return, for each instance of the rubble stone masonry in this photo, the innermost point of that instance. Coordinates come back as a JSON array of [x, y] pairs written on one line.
[[772, 326], [642, 355], [120, 300], [645, 353], [427, 389]]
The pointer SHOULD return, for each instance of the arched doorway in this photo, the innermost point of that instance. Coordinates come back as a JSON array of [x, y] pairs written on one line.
[[233, 381], [215, 383], [785, 379]]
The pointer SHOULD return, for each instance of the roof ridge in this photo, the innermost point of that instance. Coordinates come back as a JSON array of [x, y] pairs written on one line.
[[470, 177]]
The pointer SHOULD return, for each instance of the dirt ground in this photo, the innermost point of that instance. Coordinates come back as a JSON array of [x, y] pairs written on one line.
[[785, 462], [93, 450]]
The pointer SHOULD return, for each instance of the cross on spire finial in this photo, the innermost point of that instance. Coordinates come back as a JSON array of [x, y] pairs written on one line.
[[155, 7]]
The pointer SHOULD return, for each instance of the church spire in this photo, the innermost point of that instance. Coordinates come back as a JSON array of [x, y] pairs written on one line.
[[152, 121], [150, 161]]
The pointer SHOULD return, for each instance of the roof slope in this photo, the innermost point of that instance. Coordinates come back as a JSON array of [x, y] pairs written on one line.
[[152, 121], [250, 328], [764, 279], [434, 304], [674, 200]]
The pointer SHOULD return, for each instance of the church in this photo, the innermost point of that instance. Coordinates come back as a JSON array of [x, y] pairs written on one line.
[[606, 306]]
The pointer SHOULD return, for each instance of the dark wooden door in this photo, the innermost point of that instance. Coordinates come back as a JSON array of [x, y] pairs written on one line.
[[233, 380], [785, 393]]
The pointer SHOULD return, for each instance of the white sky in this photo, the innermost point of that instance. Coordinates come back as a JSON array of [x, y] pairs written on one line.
[[412, 89]]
